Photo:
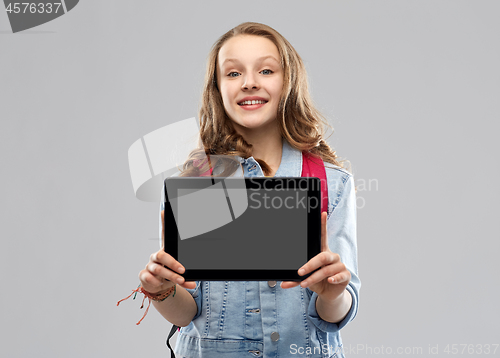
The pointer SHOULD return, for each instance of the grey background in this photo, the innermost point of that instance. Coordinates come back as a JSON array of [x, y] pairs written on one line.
[[411, 88]]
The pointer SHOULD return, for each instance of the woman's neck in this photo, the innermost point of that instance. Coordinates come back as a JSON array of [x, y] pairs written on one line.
[[269, 151], [267, 145]]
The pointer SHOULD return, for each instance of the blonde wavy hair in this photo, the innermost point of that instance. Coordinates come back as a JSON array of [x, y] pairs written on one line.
[[299, 121]]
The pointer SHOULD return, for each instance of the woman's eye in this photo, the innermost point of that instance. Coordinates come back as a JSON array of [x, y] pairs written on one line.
[[266, 72], [233, 74]]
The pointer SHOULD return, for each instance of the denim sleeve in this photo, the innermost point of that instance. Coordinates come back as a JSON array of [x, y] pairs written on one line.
[[197, 294], [341, 228]]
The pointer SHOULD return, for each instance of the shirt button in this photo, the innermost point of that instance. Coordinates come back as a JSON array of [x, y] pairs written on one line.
[[275, 336], [271, 283]]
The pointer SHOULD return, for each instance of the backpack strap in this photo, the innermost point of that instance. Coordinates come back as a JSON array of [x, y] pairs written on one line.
[[170, 334], [199, 163], [314, 167]]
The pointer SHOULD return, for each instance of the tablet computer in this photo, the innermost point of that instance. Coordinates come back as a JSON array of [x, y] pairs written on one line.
[[242, 228]]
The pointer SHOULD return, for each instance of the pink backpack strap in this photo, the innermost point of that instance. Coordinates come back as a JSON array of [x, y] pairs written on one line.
[[314, 167], [199, 163]]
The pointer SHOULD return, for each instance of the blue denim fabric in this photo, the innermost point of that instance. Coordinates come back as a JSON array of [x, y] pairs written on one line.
[[239, 319]]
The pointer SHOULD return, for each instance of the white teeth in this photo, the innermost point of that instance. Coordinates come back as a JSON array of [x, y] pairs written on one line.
[[252, 102]]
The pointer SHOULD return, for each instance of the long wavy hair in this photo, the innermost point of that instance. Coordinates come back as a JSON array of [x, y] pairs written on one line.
[[299, 121]]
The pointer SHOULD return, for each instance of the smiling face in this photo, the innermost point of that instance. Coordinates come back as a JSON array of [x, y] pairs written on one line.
[[250, 79]]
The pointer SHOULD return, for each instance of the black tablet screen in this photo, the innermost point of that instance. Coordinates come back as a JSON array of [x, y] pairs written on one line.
[[270, 234]]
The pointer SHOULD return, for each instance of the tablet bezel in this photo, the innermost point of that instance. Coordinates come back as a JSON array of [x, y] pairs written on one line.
[[313, 227]]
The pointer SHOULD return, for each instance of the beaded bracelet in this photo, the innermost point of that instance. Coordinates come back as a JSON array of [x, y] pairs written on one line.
[[149, 296]]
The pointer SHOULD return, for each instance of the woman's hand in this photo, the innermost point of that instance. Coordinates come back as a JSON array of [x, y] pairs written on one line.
[[163, 271], [330, 281]]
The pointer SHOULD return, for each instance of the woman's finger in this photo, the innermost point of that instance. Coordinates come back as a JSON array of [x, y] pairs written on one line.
[[289, 284], [148, 279], [189, 284], [161, 271], [322, 259], [324, 234], [324, 273], [162, 258], [341, 277]]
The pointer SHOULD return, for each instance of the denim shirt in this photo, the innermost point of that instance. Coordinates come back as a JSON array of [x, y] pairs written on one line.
[[238, 319]]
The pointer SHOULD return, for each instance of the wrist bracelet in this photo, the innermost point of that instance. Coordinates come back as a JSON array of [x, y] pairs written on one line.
[[163, 296], [149, 296]]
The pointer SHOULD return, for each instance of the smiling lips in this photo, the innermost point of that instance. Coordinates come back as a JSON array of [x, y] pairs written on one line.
[[250, 104]]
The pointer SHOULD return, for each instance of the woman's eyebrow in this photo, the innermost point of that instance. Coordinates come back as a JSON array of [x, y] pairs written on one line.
[[260, 59]]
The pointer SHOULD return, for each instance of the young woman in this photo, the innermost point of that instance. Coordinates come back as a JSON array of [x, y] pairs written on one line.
[[256, 107]]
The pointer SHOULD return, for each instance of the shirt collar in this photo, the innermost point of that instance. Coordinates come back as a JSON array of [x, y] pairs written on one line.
[[291, 161]]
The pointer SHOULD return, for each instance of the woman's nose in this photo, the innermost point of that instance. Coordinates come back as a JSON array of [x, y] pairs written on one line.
[[250, 82]]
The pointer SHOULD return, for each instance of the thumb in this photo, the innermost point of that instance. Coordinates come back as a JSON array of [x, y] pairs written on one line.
[[289, 284], [162, 224], [324, 234]]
